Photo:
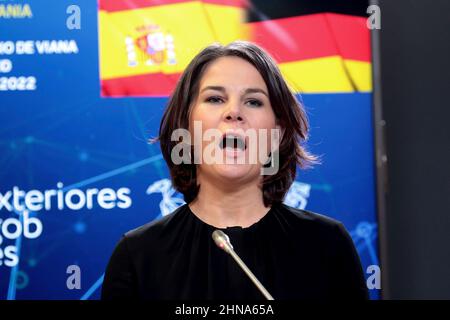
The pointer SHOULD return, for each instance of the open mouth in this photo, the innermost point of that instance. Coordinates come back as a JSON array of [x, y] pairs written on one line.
[[232, 141]]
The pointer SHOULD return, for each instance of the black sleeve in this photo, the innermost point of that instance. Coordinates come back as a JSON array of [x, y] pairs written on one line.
[[349, 277], [120, 277]]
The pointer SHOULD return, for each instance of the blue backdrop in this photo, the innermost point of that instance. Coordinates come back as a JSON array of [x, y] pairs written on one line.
[[62, 136]]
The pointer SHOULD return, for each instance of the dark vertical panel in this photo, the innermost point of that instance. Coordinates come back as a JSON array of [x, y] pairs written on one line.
[[380, 158], [415, 73]]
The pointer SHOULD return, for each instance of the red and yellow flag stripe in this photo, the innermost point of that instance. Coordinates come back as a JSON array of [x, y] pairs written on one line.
[[146, 44]]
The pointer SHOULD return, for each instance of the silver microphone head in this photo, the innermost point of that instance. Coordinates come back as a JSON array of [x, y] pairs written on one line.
[[222, 240]]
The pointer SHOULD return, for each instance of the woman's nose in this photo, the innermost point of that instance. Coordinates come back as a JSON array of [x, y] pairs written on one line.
[[233, 113], [233, 117]]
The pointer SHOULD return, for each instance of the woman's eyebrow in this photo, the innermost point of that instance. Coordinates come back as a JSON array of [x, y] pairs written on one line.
[[256, 90], [247, 91], [216, 88]]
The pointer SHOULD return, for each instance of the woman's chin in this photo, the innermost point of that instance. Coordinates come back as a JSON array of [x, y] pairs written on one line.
[[235, 171]]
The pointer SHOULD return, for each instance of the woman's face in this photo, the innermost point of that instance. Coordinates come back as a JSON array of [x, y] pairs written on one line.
[[232, 99]]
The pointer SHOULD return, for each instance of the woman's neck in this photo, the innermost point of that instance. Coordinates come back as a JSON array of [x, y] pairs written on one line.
[[240, 205]]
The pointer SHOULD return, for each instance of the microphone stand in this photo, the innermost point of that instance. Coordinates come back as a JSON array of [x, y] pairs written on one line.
[[223, 242]]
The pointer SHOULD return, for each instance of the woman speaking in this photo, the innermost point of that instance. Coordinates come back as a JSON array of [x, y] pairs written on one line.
[[235, 183]]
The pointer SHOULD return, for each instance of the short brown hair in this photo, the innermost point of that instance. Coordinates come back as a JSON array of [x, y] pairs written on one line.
[[289, 113]]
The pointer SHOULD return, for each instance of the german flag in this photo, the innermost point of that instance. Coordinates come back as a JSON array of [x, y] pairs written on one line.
[[146, 44]]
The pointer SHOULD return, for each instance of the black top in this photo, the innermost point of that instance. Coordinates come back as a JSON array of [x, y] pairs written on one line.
[[295, 254]]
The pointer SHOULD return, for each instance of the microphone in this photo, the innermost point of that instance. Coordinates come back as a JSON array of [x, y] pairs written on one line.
[[223, 242]]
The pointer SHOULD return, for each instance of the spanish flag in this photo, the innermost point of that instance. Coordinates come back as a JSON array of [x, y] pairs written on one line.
[[146, 44]]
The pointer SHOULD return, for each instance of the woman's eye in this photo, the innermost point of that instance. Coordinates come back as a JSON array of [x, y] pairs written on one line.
[[255, 103], [213, 99]]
